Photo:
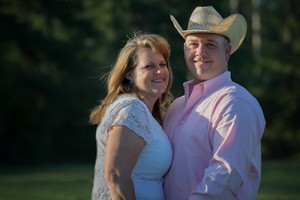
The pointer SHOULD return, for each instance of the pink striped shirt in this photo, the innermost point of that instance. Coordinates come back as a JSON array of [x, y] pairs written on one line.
[[215, 130]]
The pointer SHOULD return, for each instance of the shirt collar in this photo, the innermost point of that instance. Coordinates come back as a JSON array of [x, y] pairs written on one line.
[[206, 86]]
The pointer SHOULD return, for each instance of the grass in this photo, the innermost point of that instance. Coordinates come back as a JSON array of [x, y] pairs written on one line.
[[47, 183], [280, 181]]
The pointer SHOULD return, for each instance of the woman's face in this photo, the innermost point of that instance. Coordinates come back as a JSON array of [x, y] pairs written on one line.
[[151, 75]]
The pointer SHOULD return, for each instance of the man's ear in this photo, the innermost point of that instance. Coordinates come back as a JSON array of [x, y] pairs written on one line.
[[227, 51]]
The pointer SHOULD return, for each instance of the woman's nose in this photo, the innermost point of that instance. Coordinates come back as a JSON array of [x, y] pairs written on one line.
[[158, 71]]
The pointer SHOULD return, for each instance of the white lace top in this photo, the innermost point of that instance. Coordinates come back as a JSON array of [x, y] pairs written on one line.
[[155, 158]]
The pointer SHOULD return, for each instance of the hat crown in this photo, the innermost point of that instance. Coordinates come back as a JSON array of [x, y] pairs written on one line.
[[208, 20], [204, 18]]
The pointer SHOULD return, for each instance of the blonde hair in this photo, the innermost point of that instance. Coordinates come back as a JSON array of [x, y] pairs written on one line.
[[127, 59]]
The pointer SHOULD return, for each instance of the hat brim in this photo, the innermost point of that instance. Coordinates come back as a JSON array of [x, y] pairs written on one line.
[[233, 27]]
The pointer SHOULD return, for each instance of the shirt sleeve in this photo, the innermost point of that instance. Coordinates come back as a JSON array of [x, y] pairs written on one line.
[[235, 137], [135, 116]]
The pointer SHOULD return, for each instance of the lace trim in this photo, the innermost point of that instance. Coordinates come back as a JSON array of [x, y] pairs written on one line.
[[100, 189], [130, 112]]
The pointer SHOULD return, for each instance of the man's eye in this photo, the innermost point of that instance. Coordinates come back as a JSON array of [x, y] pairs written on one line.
[[192, 45], [211, 45]]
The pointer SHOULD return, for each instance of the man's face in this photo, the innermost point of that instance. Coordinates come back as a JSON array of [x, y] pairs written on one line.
[[206, 55]]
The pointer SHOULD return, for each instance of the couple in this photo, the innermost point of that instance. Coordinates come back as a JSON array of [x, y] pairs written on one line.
[[208, 146]]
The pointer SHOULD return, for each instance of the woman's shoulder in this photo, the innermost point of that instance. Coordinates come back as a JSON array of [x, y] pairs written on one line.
[[127, 100], [131, 112]]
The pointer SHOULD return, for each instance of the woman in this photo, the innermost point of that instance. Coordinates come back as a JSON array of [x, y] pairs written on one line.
[[133, 152]]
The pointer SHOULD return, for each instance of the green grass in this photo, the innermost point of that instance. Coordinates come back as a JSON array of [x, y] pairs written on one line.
[[280, 181], [47, 183]]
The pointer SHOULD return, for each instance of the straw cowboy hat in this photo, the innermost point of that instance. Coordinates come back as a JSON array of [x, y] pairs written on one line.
[[208, 20]]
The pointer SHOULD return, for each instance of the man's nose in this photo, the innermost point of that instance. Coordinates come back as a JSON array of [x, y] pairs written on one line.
[[200, 50]]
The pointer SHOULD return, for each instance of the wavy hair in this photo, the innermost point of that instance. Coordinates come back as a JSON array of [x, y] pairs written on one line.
[[127, 60]]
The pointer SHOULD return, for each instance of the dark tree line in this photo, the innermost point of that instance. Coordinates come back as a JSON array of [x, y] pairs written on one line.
[[53, 53]]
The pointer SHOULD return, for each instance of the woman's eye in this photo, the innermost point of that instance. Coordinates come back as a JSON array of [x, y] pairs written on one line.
[[163, 65], [149, 66]]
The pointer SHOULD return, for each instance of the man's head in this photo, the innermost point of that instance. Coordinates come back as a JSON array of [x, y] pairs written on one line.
[[206, 55], [210, 40], [208, 20]]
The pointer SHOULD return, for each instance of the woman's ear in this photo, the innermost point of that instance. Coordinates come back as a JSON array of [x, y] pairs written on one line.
[[129, 75]]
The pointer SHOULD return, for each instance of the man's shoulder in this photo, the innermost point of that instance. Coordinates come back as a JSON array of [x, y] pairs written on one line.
[[234, 89], [236, 92], [179, 100]]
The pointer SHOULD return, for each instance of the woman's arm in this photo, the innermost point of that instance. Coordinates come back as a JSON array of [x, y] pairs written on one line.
[[122, 151]]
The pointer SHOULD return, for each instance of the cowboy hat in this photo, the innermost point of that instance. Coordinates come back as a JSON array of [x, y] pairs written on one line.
[[208, 20]]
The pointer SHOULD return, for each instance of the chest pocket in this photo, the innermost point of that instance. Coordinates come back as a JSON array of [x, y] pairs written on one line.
[[196, 137]]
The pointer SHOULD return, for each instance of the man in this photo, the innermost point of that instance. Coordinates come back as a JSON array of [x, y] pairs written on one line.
[[216, 127]]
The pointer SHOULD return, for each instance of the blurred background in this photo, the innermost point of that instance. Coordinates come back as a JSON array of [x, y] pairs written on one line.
[[54, 52]]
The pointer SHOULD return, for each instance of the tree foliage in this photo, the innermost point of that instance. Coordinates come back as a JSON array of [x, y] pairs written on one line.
[[53, 53]]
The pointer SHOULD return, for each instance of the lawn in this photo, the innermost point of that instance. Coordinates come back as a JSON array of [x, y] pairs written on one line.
[[47, 183], [280, 181]]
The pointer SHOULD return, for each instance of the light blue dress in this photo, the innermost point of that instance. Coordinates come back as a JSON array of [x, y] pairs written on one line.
[[155, 158]]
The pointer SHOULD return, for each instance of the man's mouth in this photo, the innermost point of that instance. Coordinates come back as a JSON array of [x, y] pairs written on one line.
[[201, 61]]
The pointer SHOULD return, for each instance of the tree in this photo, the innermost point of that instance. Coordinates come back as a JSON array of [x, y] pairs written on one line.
[[47, 48], [54, 52]]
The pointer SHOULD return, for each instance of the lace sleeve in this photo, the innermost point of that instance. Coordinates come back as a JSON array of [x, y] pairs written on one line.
[[133, 114]]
